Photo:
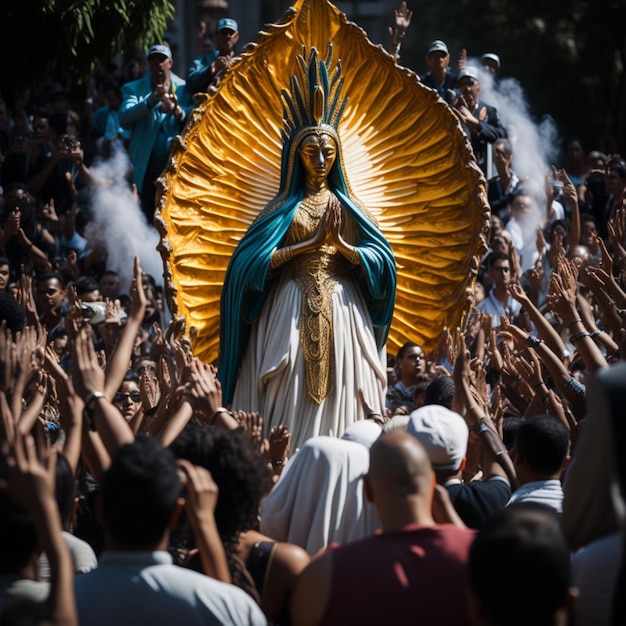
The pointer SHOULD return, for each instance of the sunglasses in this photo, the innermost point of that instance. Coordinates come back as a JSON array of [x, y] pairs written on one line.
[[135, 396], [17, 203]]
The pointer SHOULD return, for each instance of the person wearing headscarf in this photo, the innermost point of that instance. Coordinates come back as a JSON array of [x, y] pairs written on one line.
[[319, 499]]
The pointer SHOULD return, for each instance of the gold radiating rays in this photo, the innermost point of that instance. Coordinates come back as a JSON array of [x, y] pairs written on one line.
[[405, 156]]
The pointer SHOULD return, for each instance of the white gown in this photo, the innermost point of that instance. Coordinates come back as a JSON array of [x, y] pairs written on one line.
[[272, 377]]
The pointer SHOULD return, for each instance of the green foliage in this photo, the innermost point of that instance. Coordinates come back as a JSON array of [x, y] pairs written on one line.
[[39, 38]]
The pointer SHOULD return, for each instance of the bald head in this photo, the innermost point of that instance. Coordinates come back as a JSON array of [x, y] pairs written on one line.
[[399, 466]]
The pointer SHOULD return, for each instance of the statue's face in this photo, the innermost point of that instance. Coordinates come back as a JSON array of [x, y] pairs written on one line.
[[317, 155]]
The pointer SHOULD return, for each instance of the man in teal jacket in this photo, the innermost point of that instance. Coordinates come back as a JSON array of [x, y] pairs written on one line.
[[154, 109]]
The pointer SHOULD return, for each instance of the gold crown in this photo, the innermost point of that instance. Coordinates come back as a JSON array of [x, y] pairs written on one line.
[[314, 100]]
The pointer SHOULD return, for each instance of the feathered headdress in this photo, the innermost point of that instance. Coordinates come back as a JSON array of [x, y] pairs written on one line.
[[314, 100]]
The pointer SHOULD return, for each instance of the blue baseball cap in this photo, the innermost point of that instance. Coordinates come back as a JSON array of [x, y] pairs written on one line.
[[227, 22]]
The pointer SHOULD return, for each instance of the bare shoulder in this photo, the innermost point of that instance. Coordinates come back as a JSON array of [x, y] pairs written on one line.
[[310, 599], [291, 558]]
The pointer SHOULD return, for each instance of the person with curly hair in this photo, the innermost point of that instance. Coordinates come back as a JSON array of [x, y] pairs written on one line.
[[259, 564]]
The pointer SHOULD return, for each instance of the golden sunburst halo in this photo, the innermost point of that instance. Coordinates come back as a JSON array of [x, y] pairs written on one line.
[[405, 156]]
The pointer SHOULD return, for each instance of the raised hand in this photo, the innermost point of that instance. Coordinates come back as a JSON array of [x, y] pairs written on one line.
[[402, 22], [26, 363], [561, 295], [150, 391], [569, 190], [202, 493], [540, 241], [137, 293], [157, 347], [549, 188], [112, 311], [496, 407], [200, 503], [511, 331], [30, 481], [529, 368], [496, 361], [253, 425], [166, 379], [568, 270], [8, 426], [279, 442], [74, 318], [618, 223], [403, 18], [461, 370], [7, 348], [201, 384], [480, 379], [26, 299], [48, 211], [517, 293], [87, 374]]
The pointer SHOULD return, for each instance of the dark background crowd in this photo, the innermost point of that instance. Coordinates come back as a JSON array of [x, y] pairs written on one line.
[[497, 459]]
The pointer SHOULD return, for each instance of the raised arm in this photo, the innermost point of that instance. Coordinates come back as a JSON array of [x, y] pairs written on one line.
[[498, 462], [30, 485], [561, 376], [544, 329], [70, 409], [89, 382], [572, 195], [595, 279], [562, 300], [117, 363], [200, 503], [402, 22], [202, 396]]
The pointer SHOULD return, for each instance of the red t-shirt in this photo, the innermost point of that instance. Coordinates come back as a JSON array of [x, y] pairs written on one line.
[[412, 576]]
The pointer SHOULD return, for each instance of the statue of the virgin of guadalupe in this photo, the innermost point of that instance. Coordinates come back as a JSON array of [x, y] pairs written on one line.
[[309, 292], [318, 209]]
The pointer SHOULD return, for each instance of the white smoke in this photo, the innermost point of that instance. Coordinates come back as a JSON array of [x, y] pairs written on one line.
[[120, 222], [535, 144]]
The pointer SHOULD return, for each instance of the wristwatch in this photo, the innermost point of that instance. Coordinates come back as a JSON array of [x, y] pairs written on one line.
[[90, 402], [479, 426]]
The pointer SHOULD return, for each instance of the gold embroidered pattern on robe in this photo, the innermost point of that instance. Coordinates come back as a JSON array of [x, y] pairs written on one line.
[[316, 274]]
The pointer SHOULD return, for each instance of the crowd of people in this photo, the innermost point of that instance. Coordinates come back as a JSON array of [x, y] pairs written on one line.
[[488, 489]]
